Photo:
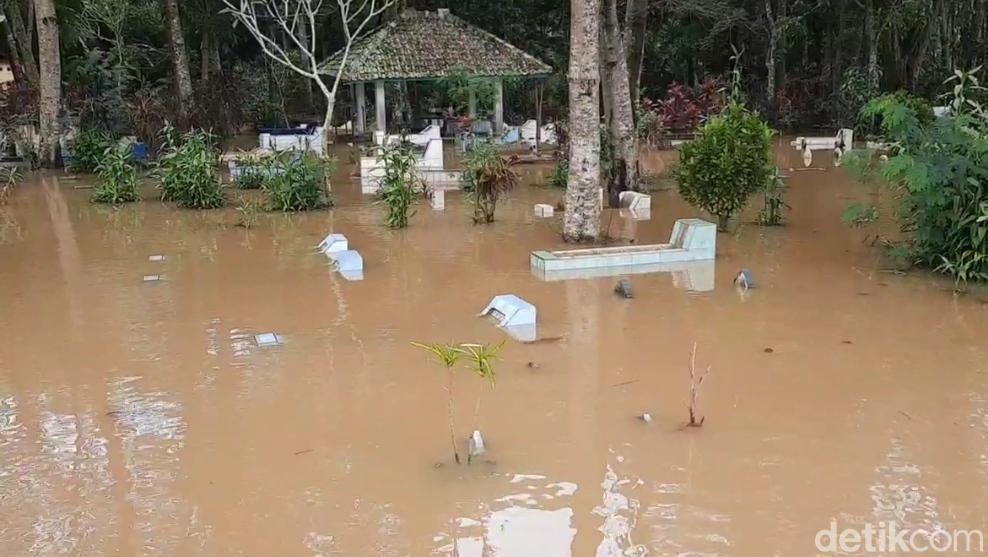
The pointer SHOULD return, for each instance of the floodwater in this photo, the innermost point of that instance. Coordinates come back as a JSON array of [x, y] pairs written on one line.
[[141, 418]]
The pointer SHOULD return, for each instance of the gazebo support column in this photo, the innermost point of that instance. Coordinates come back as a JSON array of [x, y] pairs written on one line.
[[472, 104], [381, 112], [499, 106], [361, 121]]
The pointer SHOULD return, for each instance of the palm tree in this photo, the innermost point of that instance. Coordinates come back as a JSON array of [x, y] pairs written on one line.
[[581, 221], [50, 90]]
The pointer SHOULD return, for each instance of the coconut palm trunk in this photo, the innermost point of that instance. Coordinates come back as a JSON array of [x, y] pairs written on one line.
[[622, 123], [581, 221], [50, 90]]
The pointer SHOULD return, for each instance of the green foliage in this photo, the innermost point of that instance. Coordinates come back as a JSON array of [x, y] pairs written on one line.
[[560, 174], [187, 170], [855, 90], [730, 159], [398, 186], [296, 182], [898, 105], [859, 214], [491, 177], [251, 175], [939, 173], [774, 200], [118, 176], [455, 89], [88, 149]]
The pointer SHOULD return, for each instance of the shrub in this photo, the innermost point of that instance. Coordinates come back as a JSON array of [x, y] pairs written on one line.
[[188, 170], [88, 149], [491, 176], [295, 182], [398, 186], [730, 159], [118, 176], [939, 172], [251, 175], [8, 179]]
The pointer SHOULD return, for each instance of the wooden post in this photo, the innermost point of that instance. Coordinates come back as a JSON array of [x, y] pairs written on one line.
[[381, 112], [498, 106], [361, 118], [539, 89]]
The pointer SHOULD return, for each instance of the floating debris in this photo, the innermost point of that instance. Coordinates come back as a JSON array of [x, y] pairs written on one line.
[[623, 289], [267, 339], [646, 417]]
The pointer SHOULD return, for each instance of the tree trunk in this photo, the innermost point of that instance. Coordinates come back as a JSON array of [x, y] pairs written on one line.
[[50, 93], [636, 25], [24, 38], [180, 60], [307, 98], [581, 221], [770, 56], [624, 174], [871, 34], [16, 65], [204, 56]]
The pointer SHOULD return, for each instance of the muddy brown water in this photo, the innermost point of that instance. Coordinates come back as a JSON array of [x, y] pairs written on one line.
[[139, 418]]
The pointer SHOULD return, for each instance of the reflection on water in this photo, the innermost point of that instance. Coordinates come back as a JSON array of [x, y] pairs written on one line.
[[142, 419]]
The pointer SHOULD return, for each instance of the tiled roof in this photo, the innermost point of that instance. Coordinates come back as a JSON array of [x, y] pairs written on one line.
[[430, 45]]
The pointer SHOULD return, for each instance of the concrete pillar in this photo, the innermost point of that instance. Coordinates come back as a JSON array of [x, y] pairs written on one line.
[[472, 104], [361, 118], [498, 106], [381, 113]]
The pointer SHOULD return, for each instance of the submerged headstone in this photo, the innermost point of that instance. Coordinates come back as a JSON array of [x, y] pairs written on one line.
[[635, 201], [348, 261], [623, 289], [807, 156], [152, 278], [477, 447], [543, 210], [156, 258], [333, 243], [437, 199], [514, 315], [267, 339], [745, 279]]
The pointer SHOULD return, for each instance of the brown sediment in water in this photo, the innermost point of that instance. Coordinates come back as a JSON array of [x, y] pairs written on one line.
[[142, 419]]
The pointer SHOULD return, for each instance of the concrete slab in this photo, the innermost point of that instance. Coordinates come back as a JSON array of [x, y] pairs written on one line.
[[267, 339], [691, 240], [333, 243], [349, 260], [693, 276], [635, 201]]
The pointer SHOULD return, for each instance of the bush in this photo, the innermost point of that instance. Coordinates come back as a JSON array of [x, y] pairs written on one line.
[[295, 182], [188, 170], [251, 175], [118, 176], [398, 186], [939, 172], [491, 177], [774, 202], [872, 124], [88, 149], [730, 159]]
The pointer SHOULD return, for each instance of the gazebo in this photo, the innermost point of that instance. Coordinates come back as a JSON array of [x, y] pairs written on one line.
[[425, 46]]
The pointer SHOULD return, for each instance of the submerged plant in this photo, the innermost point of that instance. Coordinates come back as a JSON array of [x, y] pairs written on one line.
[[560, 174], [248, 210], [480, 358], [117, 176], [295, 182], [88, 149], [399, 184], [8, 179], [491, 177], [187, 170], [774, 200], [251, 175]]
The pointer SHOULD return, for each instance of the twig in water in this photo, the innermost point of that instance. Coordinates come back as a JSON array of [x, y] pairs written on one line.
[[695, 382]]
